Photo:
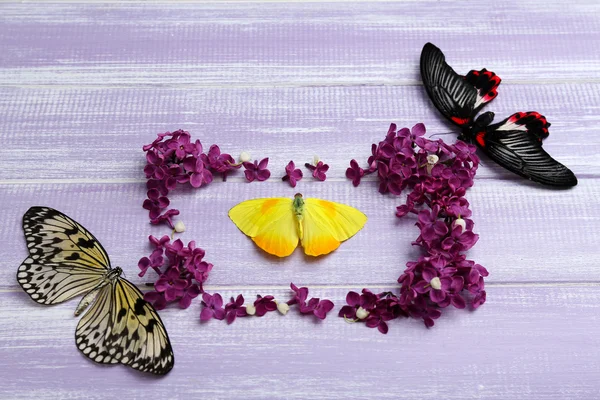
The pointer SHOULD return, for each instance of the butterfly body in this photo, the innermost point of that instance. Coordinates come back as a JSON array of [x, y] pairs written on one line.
[[277, 225], [514, 143], [65, 261], [111, 275]]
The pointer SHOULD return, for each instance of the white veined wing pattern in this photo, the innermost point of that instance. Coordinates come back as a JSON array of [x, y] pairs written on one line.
[[65, 260]]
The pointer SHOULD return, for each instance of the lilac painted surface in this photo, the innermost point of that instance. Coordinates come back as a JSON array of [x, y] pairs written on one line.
[[84, 86]]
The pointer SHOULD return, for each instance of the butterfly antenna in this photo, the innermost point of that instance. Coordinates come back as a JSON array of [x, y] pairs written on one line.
[[443, 133]]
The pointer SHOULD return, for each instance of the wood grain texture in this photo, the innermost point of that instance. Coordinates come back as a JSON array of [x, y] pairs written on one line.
[[525, 342], [98, 133], [84, 85], [293, 43], [509, 227]]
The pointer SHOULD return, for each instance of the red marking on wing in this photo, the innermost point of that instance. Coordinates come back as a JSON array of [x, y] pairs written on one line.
[[480, 138], [461, 121], [486, 82], [535, 123]]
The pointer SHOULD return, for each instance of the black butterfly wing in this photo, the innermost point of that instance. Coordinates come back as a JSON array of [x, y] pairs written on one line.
[[457, 97], [516, 144]]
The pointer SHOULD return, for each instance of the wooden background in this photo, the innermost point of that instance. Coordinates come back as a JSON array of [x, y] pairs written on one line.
[[84, 85]]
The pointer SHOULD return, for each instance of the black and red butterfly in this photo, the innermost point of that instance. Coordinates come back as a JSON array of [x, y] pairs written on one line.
[[515, 143]]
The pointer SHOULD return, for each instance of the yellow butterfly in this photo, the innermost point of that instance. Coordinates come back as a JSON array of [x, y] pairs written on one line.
[[277, 224], [65, 260]]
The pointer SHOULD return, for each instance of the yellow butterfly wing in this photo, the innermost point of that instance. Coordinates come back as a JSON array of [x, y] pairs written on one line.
[[269, 222], [327, 224]]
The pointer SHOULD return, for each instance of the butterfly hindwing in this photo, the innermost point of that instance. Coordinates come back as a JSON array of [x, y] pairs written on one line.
[[486, 82], [269, 222], [327, 224], [54, 283], [516, 144], [121, 327]]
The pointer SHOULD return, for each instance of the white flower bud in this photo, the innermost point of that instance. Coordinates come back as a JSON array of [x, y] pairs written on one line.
[[432, 159], [436, 283], [179, 227], [460, 222], [361, 313], [283, 308], [250, 309], [315, 160], [244, 157]]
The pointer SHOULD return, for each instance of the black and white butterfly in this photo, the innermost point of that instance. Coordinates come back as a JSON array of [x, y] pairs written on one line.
[[65, 260], [515, 143]]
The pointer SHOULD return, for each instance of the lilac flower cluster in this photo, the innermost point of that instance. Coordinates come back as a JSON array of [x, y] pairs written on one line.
[[174, 159], [181, 272], [213, 306], [437, 175]]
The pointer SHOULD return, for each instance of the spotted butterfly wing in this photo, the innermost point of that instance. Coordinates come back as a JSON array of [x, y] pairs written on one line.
[[121, 327], [65, 260], [516, 144], [458, 98]]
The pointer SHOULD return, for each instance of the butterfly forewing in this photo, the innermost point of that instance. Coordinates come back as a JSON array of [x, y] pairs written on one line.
[[327, 224], [52, 237], [451, 94], [122, 327], [65, 260]]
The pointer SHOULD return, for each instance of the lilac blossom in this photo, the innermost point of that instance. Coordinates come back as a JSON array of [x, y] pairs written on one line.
[[437, 176], [212, 307], [257, 170], [292, 174], [319, 169]]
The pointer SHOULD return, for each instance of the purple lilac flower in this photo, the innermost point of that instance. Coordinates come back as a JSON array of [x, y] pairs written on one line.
[[257, 171], [318, 170], [220, 162], [213, 307], [155, 203], [172, 159], [157, 299], [355, 173], [155, 261], [319, 308], [190, 293], [292, 174], [171, 284], [180, 269], [264, 305], [437, 176], [180, 145], [235, 309], [199, 175]]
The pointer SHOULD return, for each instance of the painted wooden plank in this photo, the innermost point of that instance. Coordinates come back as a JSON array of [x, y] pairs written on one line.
[[98, 133], [256, 43], [527, 234], [525, 342]]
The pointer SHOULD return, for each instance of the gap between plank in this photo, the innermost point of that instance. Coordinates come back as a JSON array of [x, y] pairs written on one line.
[[213, 288], [239, 179], [220, 85]]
